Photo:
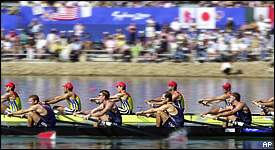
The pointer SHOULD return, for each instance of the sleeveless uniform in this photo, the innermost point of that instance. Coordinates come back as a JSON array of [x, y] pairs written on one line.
[[126, 107], [49, 120], [14, 104], [226, 102], [74, 105], [175, 120], [115, 116], [180, 101], [244, 117]]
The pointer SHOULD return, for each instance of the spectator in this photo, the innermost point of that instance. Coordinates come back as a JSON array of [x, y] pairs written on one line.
[[41, 45], [230, 25], [132, 29], [76, 49], [110, 44], [35, 27], [79, 30], [175, 25]]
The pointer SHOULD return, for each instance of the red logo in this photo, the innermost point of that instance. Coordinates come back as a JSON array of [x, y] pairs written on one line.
[[205, 16]]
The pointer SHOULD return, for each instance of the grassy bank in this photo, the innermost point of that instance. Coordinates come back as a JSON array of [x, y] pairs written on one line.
[[248, 69]]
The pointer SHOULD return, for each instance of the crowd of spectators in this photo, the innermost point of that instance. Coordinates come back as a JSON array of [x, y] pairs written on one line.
[[171, 40], [136, 4]]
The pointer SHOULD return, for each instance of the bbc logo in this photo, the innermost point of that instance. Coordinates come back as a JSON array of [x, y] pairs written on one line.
[[267, 144]]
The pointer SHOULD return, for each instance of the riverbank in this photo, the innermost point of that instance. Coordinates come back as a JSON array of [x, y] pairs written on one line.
[[247, 69]]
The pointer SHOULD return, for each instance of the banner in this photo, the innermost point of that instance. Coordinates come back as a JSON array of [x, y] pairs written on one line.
[[187, 16], [206, 18], [237, 14]]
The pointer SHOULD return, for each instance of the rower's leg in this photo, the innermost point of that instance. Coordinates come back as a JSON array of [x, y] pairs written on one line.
[[164, 117], [32, 118], [214, 111], [60, 109], [232, 117], [161, 118], [158, 119]]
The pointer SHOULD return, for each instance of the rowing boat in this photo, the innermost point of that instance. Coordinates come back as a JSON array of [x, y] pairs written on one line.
[[142, 120], [137, 131]]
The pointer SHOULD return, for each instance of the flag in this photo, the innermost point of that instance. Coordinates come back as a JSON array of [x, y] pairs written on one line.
[[253, 14], [65, 13], [86, 11], [186, 16], [271, 14], [206, 18], [260, 11]]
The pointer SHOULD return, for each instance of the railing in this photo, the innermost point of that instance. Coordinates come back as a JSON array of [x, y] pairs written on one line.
[[103, 55]]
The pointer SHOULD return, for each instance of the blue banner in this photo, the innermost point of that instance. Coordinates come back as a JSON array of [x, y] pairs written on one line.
[[238, 15], [102, 19]]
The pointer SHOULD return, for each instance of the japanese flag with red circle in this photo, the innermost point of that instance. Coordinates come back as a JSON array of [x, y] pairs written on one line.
[[206, 18]]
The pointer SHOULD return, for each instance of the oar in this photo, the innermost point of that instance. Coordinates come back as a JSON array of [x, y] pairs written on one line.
[[47, 135]]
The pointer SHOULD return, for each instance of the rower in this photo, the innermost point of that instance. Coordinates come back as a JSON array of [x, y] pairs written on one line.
[[37, 114], [12, 97], [71, 97], [168, 115], [107, 111], [239, 112], [267, 105], [222, 98], [177, 97], [126, 107]]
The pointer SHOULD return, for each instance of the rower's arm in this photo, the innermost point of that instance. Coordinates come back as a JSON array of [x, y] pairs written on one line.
[[117, 96], [158, 99], [4, 97], [57, 99], [115, 100], [23, 111], [104, 110], [225, 109], [161, 108], [231, 112], [215, 99], [158, 102], [268, 104], [271, 99], [100, 107]]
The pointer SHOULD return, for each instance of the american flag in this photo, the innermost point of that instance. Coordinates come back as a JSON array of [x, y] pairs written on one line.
[[66, 13]]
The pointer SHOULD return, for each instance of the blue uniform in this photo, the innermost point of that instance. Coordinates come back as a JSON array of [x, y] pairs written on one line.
[[246, 118], [175, 120], [115, 116], [49, 120]]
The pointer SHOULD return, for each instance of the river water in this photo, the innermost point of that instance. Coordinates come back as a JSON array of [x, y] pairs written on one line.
[[141, 88]]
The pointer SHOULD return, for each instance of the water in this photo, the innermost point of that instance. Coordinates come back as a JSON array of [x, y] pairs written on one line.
[[30, 142], [141, 88]]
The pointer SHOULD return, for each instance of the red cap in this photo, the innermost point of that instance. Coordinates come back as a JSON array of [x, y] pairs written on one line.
[[68, 85], [227, 86], [172, 83], [122, 84], [10, 84]]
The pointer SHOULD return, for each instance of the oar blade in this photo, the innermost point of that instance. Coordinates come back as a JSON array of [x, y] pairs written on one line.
[[47, 135]]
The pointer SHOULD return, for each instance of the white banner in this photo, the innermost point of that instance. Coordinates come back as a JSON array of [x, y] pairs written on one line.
[[206, 18]]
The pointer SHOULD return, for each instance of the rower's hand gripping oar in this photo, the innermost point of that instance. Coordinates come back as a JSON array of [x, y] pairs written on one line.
[[203, 102]]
